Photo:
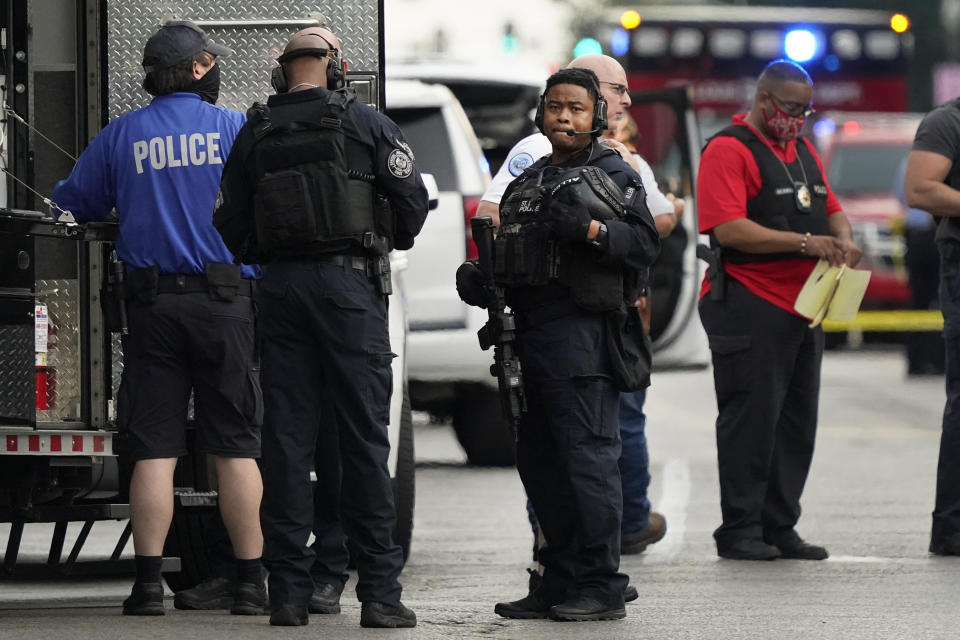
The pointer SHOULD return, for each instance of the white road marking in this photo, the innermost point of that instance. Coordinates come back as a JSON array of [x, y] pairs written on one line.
[[878, 560], [673, 506]]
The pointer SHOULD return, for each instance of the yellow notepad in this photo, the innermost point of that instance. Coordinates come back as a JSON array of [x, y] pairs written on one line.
[[834, 293]]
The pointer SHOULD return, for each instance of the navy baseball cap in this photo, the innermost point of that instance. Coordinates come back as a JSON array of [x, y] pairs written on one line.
[[176, 41]]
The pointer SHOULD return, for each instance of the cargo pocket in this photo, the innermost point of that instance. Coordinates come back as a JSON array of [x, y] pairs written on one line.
[[380, 386], [595, 405], [731, 362]]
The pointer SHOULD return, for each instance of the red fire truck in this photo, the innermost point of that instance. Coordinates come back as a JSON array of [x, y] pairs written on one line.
[[857, 58]]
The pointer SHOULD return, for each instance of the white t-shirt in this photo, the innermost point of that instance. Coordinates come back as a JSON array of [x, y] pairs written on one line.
[[535, 146]]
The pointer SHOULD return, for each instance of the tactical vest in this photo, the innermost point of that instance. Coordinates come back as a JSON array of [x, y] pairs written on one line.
[[948, 227], [786, 201], [528, 254], [306, 199]]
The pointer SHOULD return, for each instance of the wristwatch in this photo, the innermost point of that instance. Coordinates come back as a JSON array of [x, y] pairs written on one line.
[[600, 241]]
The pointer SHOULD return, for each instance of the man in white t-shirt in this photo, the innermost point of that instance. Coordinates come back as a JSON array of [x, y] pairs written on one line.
[[640, 526]]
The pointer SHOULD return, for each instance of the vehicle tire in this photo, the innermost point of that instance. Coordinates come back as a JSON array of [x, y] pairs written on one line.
[[187, 538], [404, 483], [481, 428]]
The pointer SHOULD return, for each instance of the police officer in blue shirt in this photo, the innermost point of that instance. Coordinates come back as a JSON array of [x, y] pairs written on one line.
[[190, 313], [318, 188]]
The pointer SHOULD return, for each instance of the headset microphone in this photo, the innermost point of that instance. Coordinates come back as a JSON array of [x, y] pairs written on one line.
[[574, 132]]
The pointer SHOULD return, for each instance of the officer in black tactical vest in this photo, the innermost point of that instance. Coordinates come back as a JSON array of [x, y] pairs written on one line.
[[575, 235], [762, 197], [932, 183], [319, 188]]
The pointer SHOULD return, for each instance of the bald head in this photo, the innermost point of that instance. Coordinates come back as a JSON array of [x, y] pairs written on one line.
[[613, 85], [780, 72], [601, 65], [313, 38], [309, 68]]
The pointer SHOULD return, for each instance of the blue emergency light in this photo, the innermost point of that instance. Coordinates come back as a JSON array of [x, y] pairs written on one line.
[[620, 42], [800, 45]]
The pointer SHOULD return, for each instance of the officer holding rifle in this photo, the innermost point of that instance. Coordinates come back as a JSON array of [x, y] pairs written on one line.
[[574, 236]]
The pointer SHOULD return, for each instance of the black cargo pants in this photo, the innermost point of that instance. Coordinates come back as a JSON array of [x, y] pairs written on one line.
[[324, 338], [567, 453], [766, 371]]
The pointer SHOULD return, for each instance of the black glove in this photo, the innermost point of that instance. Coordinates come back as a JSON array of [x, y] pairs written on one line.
[[569, 221], [470, 284]]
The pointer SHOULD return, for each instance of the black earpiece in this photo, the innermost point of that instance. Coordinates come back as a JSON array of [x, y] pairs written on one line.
[[599, 123], [336, 69]]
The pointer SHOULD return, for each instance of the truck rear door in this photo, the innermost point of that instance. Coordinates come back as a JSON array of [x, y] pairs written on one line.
[[668, 139]]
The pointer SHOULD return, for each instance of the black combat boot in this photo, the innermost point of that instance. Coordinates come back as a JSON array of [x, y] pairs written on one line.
[[386, 616], [583, 608], [325, 599]]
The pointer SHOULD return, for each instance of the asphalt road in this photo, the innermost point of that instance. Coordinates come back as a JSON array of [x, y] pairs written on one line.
[[868, 500]]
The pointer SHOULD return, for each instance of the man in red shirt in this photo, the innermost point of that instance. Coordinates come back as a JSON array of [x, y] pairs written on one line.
[[763, 199]]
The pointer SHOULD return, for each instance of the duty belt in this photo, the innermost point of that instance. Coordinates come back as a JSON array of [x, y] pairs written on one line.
[[197, 283], [377, 269], [357, 262]]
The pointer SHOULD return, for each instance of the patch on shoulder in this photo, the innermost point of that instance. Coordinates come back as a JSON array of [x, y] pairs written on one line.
[[397, 142], [519, 163], [399, 164]]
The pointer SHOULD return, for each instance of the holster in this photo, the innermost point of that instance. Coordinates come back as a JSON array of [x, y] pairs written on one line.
[[114, 298], [223, 280], [716, 275], [379, 270]]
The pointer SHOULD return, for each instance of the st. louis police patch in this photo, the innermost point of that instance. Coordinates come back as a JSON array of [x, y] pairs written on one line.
[[399, 164], [397, 142], [519, 162]]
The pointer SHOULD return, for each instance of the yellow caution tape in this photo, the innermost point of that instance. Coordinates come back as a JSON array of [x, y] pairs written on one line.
[[889, 321]]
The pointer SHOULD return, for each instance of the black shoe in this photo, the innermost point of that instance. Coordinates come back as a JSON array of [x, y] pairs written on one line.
[[386, 616], [630, 593], [793, 547], [325, 599], [946, 546], [582, 608], [250, 600], [289, 615], [656, 529], [146, 599], [533, 605], [529, 607], [748, 549], [215, 593]]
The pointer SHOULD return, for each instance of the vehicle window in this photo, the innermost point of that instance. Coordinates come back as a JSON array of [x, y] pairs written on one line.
[[425, 130], [862, 169], [658, 142]]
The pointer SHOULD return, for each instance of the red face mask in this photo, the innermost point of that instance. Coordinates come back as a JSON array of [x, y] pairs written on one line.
[[782, 126]]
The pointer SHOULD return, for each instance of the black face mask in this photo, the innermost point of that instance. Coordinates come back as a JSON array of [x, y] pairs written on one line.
[[208, 87]]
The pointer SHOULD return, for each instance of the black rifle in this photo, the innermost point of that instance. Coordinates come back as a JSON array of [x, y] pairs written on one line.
[[500, 331]]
